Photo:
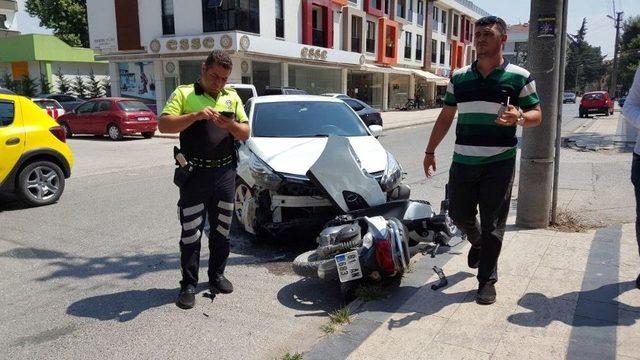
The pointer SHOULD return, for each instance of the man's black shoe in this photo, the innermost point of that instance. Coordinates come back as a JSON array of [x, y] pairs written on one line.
[[638, 282], [486, 294], [187, 297], [221, 284], [473, 258]]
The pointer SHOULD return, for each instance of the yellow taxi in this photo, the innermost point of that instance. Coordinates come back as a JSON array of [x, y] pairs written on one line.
[[35, 159]]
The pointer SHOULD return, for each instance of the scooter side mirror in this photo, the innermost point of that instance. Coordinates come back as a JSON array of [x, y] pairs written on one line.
[[376, 130]]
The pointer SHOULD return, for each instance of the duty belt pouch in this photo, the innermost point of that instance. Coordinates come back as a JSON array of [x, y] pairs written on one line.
[[184, 170]]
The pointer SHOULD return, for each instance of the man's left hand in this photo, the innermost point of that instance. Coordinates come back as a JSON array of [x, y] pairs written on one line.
[[509, 117], [222, 121]]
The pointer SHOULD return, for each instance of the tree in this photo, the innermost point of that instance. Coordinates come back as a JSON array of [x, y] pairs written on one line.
[[27, 86], [584, 64], [45, 85], [64, 87], [629, 52], [79, 87], [94, 88], [8, 82], [67, 19], [105, 85]]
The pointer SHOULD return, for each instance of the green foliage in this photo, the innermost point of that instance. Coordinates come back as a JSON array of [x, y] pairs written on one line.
[[67, 19], [27, 86], [79, 87], [585, 63], [94, 87], [629, 52], [7, 82], [45, 85], [64, 86]]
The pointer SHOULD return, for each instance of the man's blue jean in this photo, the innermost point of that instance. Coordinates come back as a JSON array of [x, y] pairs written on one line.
[[635, 179]]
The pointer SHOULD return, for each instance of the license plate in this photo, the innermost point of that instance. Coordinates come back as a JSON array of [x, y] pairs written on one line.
[[348, 266], [592, 110], [143, 119]]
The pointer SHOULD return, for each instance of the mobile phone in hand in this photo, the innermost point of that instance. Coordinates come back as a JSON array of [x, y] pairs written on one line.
[[228, 114]]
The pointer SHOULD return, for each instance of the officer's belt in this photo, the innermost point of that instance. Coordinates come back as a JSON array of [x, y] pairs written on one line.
[[209, 163]]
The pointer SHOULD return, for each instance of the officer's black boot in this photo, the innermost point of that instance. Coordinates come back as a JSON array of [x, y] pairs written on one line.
[[187, 297], [222, 284]]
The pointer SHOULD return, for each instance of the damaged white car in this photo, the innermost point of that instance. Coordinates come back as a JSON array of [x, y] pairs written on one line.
[[274, 194]]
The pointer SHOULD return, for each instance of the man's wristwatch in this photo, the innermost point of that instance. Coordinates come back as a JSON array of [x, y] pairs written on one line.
[[520, 117]]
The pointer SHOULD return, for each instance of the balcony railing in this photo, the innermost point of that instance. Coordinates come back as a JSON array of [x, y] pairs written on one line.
[[318, 38], [407, 52], [371, 45], [388, 52], [279, 28], [355, 44], [418, 54]]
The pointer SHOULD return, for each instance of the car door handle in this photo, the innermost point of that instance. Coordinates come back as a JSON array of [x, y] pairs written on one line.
[[13, 141]]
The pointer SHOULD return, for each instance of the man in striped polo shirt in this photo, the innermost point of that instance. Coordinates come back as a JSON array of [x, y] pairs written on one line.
[[492, 97]]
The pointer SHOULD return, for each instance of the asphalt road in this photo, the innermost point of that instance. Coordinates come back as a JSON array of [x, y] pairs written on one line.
[[96, 275]]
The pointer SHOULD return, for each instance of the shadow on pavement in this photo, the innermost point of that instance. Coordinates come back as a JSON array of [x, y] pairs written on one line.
[[595, 308], [311, 295], [123, 306]]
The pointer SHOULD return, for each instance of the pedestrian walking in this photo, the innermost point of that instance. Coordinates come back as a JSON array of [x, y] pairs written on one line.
[[491, 97], [631, 112], [209, 118]]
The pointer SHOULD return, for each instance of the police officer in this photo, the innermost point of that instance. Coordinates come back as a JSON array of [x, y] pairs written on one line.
[[207, 142]]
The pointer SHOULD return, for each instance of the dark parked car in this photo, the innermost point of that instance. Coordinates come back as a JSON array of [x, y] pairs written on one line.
[[596, 102], [68, 102], [621, 101], [283, 90], [115, 117], [6, 91], [369, 115]]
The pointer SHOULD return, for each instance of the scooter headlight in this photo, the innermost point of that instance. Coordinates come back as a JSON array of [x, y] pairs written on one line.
[[263, 174], [392, 175]]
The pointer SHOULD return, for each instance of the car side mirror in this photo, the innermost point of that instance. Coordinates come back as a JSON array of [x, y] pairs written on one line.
[[376, 130]]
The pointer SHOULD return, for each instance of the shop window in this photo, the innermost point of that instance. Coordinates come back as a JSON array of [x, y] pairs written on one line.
[[279, 19], [407, 45], [418, 47], [168, 27], [356, 34], [371, 36], [232, 15]]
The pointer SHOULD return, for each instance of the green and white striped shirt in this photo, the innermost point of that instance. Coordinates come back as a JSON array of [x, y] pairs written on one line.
[[479, 140]]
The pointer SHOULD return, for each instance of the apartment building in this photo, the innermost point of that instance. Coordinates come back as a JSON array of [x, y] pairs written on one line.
[[515, 50], [8, 24]]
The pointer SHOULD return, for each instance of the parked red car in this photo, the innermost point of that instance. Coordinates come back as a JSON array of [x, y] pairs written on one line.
[[596, 102], [50, 106], [115, 117]]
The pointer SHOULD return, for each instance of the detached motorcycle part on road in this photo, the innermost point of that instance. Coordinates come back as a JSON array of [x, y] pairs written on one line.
[[371, 239]]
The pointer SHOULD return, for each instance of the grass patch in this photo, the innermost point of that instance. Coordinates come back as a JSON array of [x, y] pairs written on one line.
[[568, 221], [339, 317], [370, 292], [328, 328], [288, 356]]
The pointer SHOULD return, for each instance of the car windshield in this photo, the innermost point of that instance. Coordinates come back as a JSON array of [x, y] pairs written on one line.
[[131, 105], [48, 104], [593, 97], [305, 119], [569, 94]]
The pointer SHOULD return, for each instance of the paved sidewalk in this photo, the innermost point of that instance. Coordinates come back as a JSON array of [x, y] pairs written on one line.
[[605, 133], [560, 295]]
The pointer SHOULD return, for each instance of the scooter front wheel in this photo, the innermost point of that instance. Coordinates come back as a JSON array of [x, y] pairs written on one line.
[[307, 264]]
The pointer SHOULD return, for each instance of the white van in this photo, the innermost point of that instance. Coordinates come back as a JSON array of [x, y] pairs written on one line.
[[245, 91]]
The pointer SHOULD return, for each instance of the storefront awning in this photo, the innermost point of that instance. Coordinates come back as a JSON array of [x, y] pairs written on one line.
[[386, 69], [439, 80]]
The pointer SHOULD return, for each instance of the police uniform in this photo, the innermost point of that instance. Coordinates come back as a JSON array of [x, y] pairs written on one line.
[[209, 191]]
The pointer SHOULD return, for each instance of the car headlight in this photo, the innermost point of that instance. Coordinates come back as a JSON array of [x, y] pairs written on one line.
[[392, 175], [263, 174]]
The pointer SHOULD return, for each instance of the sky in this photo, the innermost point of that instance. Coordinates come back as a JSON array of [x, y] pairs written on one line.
[[600, 29]]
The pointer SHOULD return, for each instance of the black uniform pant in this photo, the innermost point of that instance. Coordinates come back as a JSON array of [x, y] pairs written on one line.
[[208, 192], [635, 179], [487, 187]]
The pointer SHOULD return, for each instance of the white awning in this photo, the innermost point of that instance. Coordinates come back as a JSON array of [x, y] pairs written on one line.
[[439, 80], [386, 69]]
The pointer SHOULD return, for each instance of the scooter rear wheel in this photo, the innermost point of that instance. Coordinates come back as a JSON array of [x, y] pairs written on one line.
[[307, 264]]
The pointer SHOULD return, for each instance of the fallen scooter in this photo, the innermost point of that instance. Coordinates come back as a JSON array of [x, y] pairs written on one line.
[[374, 241]]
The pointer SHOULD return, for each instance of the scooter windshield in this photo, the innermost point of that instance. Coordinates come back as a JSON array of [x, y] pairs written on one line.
[[339, 172]]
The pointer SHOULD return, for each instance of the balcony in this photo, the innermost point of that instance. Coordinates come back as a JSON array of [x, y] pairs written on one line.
[[318, 38]]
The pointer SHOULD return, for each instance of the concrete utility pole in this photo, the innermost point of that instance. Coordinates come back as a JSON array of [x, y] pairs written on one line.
[[536, 161], [614, 74]]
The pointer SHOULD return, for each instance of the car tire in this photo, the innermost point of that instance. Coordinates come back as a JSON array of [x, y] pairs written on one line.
[[241, 194], [114, 132], [67, 130], [148, 134], [40, 183]]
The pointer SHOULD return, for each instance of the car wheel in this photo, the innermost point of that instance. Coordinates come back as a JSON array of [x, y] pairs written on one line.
[[241, 197], [114, 132], [67, 130], [40, 183], [148, 134]]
